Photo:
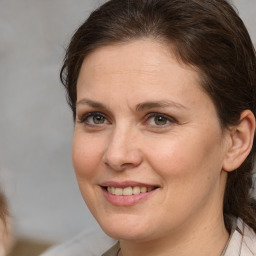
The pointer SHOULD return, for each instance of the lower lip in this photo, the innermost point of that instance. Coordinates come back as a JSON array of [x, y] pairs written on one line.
[[127, 200]]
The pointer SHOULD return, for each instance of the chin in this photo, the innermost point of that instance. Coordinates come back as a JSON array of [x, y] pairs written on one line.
[[127, 235], [126, 228]]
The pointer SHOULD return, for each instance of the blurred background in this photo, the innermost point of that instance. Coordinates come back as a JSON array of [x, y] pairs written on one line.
[[35, 122]]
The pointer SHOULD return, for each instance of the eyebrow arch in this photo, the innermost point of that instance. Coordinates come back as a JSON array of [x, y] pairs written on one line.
[[158, 104], [139, 107], [91, 103]]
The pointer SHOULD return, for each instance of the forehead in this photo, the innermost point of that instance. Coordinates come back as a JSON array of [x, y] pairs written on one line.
[[122, 76], [139, 59]]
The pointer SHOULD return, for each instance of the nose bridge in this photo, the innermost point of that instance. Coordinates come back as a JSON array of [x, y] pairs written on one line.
[[122, 150]]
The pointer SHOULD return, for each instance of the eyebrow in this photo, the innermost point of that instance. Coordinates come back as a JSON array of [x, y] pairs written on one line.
[[139, 107], [91, 103], [159, 104]]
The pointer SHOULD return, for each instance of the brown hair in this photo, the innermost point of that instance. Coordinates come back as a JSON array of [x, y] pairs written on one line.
[[207, 34]]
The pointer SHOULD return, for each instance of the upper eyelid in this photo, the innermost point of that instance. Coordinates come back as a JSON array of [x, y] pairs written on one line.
[[83, 111], [152, 114], [81, 117]]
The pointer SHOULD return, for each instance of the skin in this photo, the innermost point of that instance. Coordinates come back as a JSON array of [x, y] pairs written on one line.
[[181, 153]]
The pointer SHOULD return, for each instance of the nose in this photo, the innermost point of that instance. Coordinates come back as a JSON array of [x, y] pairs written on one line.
[[123, 151]]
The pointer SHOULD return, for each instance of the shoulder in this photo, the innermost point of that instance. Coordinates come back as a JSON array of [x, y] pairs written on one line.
[[249, 239], [88, 243], [242, 241]]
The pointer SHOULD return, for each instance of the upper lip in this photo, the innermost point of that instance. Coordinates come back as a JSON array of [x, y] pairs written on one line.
[[125, 184]]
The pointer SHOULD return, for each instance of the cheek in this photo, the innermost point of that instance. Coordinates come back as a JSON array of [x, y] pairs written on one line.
[[185, 156], [86, 156]]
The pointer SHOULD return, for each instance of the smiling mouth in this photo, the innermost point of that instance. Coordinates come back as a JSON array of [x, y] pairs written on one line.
[[129, 191]]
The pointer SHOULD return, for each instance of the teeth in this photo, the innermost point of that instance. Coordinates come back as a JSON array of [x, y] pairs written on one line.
[[143, 190], [128, 191], [136, 190], [150, 189], [119, 191]]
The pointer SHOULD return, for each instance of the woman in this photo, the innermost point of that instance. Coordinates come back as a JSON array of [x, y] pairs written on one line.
[[163, 94]]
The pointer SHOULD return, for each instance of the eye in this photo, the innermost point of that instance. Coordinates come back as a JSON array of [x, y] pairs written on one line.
[[96, 119], [158, 119], [93, 118]]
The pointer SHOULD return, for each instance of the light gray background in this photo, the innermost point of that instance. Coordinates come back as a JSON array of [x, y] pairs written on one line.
[[35, 122]]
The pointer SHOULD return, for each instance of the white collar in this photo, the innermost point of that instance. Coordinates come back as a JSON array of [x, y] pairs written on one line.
[[242, 240]]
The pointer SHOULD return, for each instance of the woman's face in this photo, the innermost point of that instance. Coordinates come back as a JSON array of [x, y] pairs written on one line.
[[148, 149]]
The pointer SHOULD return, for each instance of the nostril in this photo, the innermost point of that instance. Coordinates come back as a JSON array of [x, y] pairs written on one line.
[[119, 166], [122, 156]]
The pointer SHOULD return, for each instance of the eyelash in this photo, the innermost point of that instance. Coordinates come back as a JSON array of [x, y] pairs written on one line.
[[166, 118], [84, 119]]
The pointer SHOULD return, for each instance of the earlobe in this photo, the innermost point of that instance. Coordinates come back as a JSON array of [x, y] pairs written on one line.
[[241, 137]]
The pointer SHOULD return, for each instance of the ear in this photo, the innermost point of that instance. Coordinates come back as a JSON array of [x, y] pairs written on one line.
[[241, 138]]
